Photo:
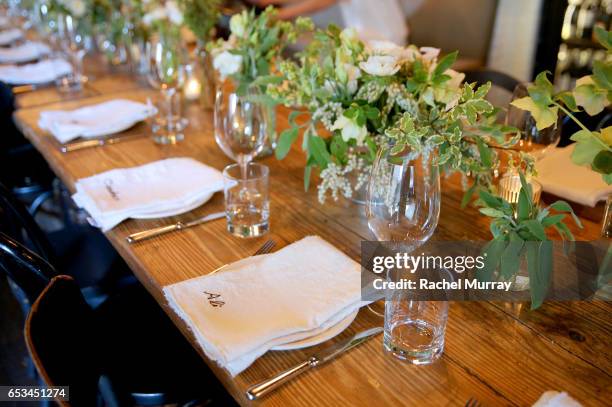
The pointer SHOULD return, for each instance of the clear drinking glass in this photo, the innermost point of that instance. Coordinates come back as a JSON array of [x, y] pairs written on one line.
[[247, 201], [414, 330], [534, 141], [74, 41], [240, 124], [168, 61]]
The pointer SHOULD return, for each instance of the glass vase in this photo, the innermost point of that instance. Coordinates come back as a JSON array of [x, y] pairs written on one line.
[[204, 71]]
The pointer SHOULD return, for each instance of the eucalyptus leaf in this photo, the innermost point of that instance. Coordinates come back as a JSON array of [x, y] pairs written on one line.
[[286, 139], [536, 229], [511, 258], [492, 253]]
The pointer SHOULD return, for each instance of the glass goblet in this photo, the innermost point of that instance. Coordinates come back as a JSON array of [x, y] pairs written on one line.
[[168, 74], [403, 200], [240, 124]]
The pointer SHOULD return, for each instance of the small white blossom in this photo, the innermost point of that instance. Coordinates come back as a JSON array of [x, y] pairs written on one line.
[[174, 12], [227, 64], [429, 53], [238, 24], [350, 130]]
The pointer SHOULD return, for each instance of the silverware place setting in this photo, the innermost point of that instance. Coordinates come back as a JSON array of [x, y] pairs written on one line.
[[327, 354]]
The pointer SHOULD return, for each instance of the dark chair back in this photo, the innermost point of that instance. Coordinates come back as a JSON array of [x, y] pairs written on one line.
[[29, 271], [60, 337], [500, 79], [17, 222]]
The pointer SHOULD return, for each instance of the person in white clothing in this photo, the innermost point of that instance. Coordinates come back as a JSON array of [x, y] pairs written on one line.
[[373, 19]]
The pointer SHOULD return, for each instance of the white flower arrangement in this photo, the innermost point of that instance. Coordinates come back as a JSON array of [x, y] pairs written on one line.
[[380, 92]]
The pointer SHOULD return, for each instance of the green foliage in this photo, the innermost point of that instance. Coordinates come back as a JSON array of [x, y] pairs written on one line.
[[592, 94], [201, 16], [520, 230], [259, 41]]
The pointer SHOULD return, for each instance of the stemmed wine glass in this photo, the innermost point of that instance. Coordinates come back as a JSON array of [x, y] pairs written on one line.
[[168, 61], [240, 125], [73, 41], [403, 199]]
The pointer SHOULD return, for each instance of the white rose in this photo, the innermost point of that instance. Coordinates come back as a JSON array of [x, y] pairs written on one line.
[[350, 130], [389, 48], [381, 65], [227, 64], [174, 13], [237, 24]]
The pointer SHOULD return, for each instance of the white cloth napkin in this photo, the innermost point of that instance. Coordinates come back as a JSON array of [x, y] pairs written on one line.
[[556, 399], [560, 176], [35, 74], [9, 36], [173, 184], [28, 51], [98, 120], [241, 312]]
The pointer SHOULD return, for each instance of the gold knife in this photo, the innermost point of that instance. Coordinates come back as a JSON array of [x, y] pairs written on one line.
[[327, 354], [79, 145], [147, 234]]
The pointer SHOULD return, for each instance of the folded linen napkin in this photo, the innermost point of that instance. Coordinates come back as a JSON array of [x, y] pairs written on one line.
[[28, 51], [260, 302], [556, 399], [97, 120], [173, 184], [35, 74], [9, 36], [560, 176]]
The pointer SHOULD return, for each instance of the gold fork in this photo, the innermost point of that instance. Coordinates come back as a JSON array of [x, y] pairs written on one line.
[[264, 249], [472, 402]]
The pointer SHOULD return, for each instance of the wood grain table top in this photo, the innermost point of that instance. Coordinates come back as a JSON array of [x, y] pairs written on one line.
[[498, 353]]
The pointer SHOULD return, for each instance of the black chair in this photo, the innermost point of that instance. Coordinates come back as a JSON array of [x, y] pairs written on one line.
[[22, 168], [499, 79], [125, 352], [78, 250]]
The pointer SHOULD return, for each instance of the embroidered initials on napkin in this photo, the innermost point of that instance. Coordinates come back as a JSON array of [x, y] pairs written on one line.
[[212, 299]]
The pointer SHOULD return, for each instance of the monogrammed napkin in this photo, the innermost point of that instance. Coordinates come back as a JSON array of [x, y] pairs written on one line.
[[560, 176], [26, 52], [241, 312], [173, 186], [97, 120], [556, 399], [35, 74]]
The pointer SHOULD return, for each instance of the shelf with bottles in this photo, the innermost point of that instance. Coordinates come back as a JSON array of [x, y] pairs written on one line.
[[581, 18]]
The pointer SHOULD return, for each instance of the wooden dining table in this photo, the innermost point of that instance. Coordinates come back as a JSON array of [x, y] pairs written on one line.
[[497, 353]]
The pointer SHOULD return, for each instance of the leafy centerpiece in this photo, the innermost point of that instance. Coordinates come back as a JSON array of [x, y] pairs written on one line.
[[244, 63], [365, 95], [254, 45]]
